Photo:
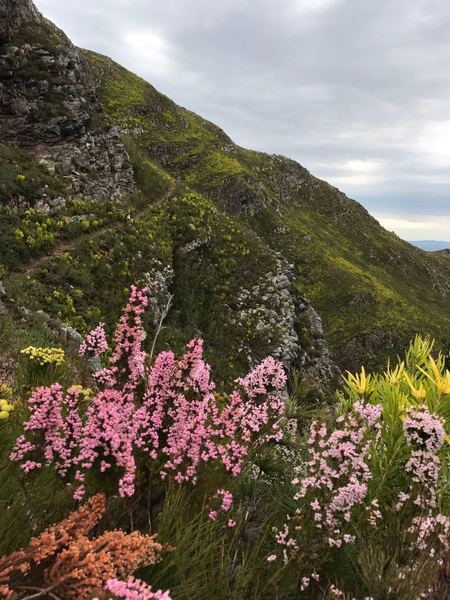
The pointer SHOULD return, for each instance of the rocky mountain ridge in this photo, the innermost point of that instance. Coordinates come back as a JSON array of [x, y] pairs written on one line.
[[48, 106], [104, 181]]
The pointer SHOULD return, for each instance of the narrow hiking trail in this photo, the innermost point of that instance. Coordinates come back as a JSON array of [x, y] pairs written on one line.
[[64, 335], [63, 246]]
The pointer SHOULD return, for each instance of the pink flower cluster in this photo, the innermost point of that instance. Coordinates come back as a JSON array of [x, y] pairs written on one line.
[[134, 589], [425, 434], [336, 593], [262, 387], [337, 472], [334, 481], [127, 360], [168, 412], [95, 342], [182, 419], [226, 500], [374, 513], [45, 406], [431, 534], [424, 430], [333, 491]]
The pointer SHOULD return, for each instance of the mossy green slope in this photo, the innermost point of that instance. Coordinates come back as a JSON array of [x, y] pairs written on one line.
[[373, 290], [82, 274], [222, 219]]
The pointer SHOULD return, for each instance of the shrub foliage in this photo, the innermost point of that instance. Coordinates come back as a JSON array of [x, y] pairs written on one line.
[[256, 497]]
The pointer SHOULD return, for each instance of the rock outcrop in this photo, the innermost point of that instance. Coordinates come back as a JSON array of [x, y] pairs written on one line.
[[49, 107], [12, 14], [315, 358]]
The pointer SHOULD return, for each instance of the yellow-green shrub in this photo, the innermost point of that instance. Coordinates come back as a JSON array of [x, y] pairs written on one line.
[[44, 356], [420, 379], [39, 366]]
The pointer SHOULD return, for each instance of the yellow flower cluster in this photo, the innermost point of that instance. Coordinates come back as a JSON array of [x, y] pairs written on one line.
[[44, 356], [85, 392], [5, 406], [422, 375]]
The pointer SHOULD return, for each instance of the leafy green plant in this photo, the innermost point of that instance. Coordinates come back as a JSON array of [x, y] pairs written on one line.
[[21, 174], [372, 510]]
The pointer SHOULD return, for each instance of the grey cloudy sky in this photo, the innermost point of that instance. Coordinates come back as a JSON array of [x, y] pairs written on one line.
[[358, 91]]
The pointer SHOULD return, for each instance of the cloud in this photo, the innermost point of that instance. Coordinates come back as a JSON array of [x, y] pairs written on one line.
[[410, 229], [434, 143], [148, 50], [355, 90], [308, 7]]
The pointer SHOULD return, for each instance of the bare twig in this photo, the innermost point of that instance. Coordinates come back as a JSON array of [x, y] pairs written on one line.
[[164, 313], [40, 592]]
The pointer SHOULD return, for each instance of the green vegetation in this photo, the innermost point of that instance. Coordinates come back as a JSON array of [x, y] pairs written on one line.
[[391, 420], [372, 290], [44, 35], [22, 175], [217, 228], [151, 179], [218, 215], [213, 169], [86, 273], [124, 98]]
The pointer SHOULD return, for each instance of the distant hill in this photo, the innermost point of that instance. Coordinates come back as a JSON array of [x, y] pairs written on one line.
[[431, 245]]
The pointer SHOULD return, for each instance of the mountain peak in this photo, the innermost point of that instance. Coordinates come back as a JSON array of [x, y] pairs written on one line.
[[431, 245]]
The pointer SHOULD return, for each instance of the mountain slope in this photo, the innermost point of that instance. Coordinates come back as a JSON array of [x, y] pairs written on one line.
[[48, 108], [252, 247], [371, 288]]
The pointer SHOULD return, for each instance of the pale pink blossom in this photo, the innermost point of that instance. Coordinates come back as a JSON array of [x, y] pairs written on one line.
[[95, 342], [166, 412]]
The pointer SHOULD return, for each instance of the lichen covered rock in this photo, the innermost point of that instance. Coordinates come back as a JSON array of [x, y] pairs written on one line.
[[49, 107]]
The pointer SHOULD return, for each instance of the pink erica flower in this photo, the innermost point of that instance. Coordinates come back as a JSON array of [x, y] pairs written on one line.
[[165, 416], [95, 342], [134, 589]]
